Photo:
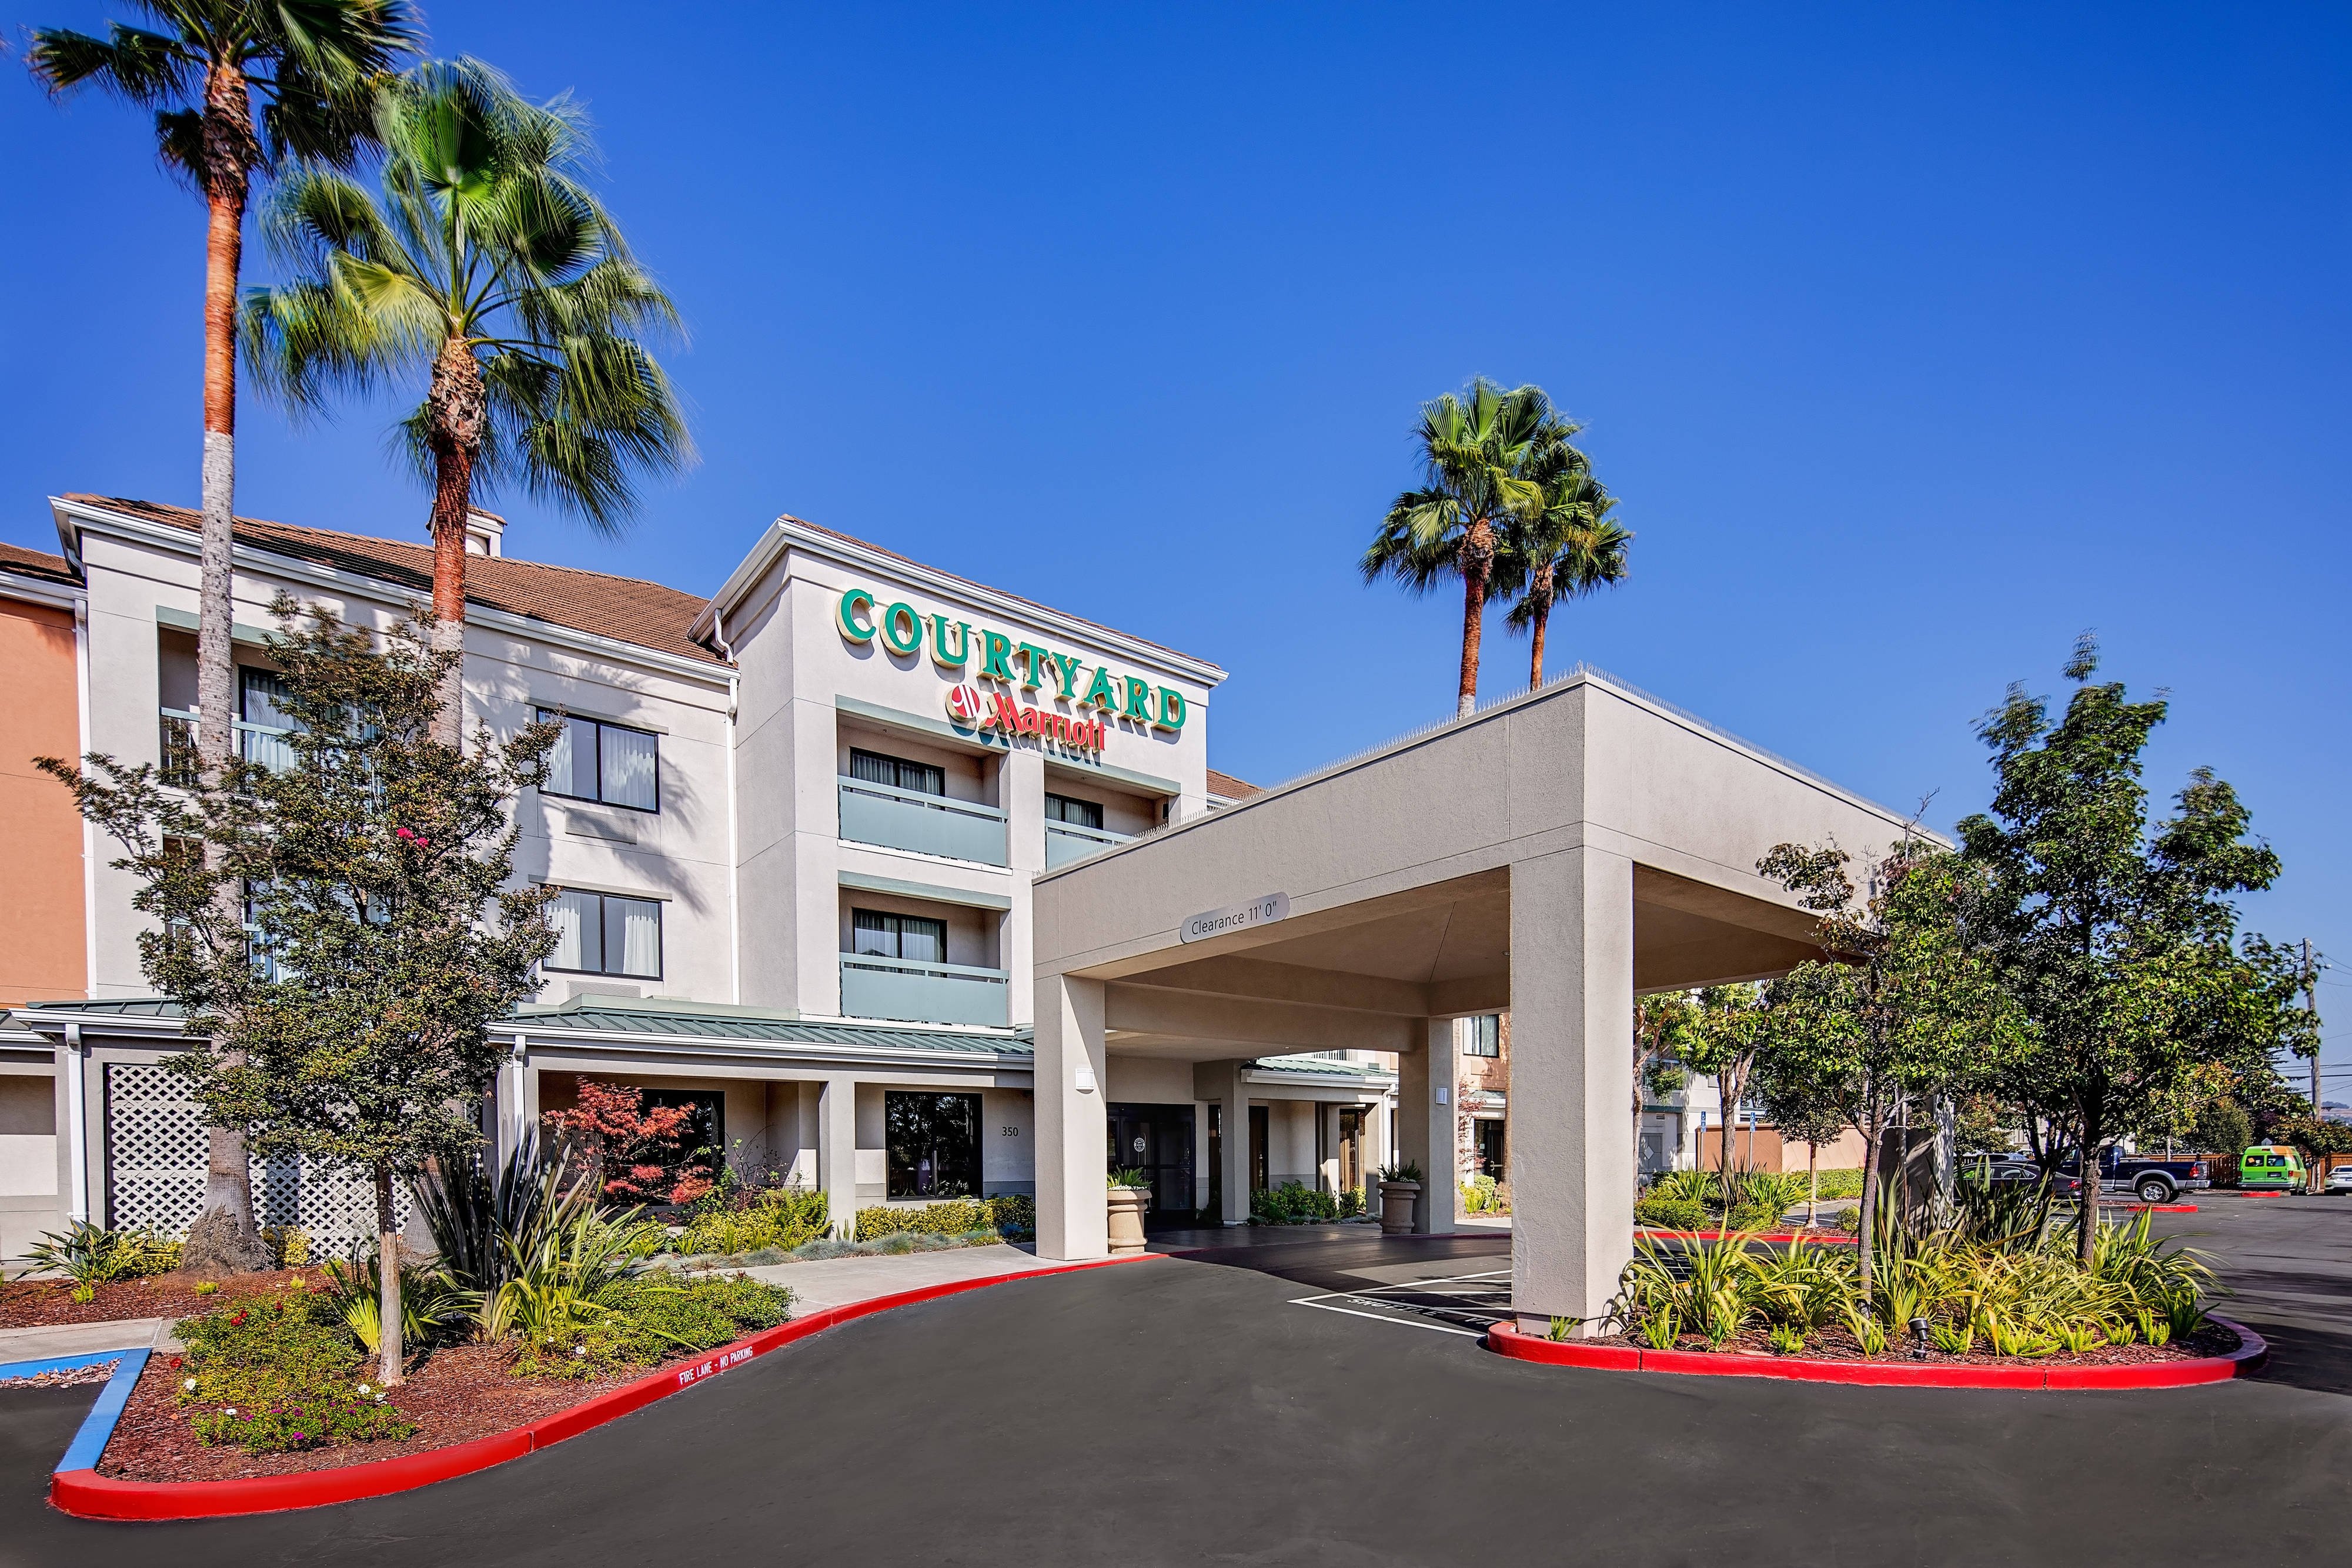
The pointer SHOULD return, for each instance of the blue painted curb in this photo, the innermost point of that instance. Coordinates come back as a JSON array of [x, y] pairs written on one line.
[[98, 1424], [97, 1427]]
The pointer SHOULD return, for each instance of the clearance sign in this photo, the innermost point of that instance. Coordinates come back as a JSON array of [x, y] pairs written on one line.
[[955, 645]]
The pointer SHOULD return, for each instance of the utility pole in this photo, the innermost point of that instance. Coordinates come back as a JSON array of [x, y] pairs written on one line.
[[2311, 1005]]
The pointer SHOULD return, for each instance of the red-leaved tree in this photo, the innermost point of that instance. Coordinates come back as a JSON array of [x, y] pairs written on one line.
[[637, 1150]]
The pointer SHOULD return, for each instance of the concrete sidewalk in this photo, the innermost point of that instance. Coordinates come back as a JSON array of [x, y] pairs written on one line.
[[81, 1339], [817, 1285], [840, 1281]]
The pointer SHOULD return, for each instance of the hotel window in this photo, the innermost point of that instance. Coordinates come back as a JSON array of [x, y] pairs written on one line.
[[915, 777], [611, 763], [1483, 1037], [934, 1140], [606, 934], [1078, 814], [914, 937]]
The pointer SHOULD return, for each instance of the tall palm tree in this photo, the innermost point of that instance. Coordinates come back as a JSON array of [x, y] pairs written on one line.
[[308, 65], [1563, 549], [1475, 449], [482, 266]]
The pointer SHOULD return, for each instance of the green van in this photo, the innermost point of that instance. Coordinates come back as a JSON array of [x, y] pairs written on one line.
[[2270, 1167]]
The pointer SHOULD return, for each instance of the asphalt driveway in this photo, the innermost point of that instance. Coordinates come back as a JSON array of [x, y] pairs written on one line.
[[1185, 1410]]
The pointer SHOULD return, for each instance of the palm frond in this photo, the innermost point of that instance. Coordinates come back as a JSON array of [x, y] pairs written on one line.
[[150, 69]]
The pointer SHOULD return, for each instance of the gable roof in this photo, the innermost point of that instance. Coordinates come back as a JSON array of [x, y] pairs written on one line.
[[38, 564], [625, 609], [1226, 787]]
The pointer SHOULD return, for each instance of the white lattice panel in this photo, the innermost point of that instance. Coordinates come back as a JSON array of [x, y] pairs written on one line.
[[155, 1168]]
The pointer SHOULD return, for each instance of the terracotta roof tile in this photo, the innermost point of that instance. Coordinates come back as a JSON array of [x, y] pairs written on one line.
[[1226, 787], [623, 608], [38, 564]]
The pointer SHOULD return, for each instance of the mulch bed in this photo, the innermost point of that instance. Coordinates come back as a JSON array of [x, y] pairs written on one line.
[[1836, 1345], [454, 1394], [45, 1303]]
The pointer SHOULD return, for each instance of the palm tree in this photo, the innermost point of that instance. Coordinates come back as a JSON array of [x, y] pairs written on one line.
[[1564, 548], [309, 67], [1475, 449], [484, 268]]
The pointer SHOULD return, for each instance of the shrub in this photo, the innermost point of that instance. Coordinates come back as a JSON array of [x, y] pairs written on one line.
[[1482, 1195], [1351, 1202], [648, 1319], [782, 1218], [429, 1303], [1753, 1216], [289, 1245], [1687, 1186], [1292, 1203], [952, 1218], [1670, 1213], [1012, 1215], [2017, 1289], [92, 1255], [281, 1374], [1840, 1184]]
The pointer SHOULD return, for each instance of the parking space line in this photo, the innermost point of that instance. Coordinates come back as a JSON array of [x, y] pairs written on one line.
[[1407, 1314]]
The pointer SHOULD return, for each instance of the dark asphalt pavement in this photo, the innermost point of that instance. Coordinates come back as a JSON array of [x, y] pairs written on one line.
[[1184, 1411]]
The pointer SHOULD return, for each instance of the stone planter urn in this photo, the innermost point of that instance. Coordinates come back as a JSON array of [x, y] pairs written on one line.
[[1127, 1205], [1397, 1199]]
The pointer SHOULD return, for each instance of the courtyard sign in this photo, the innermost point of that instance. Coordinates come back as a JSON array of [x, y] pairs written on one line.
[[1262, 910], [905, 632]]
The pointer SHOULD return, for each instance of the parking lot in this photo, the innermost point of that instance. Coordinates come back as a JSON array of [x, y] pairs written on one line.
[[1205, 1410]]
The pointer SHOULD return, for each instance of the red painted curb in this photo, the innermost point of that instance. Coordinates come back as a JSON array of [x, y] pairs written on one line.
[[1507, 1340], [86, 1494]]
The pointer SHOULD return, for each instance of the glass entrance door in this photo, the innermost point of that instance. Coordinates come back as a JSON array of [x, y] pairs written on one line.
[[1157, 1141]]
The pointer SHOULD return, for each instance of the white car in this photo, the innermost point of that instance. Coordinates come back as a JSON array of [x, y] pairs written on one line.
[[2339, 1180]]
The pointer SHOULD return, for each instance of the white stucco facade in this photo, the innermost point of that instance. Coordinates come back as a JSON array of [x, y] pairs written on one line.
[[762, 837]]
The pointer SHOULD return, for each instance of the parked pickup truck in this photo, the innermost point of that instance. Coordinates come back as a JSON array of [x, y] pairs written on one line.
[[2150, 1181]]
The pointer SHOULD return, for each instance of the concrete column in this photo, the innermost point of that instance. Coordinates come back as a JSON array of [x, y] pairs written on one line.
[[1234, 1149], [1072, 1068], [1571, 1078], [836, 1151], [1021, 791], [1425, 1112]]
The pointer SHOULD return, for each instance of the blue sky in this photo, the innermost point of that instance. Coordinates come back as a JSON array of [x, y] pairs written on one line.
[[1914, 340]]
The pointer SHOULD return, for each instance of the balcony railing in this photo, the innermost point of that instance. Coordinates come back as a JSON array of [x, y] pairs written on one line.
[[1066, 841], [900, 988], [927, 825], [264, 746]]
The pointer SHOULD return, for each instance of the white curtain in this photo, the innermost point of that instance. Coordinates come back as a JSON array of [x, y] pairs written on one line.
[[633, 936], [571, 761], [577, 942], [628, 758]]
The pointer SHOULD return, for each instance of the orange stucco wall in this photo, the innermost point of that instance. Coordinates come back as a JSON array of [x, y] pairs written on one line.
[[41, 943]]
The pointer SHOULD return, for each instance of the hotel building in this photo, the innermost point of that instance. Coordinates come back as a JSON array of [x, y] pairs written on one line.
[[795, 827]]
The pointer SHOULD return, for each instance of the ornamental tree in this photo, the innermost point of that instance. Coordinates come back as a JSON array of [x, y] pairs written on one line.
[[2117, 937], [1905, 1006], [1722, 1036], [381, 936], [636, 1150]]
